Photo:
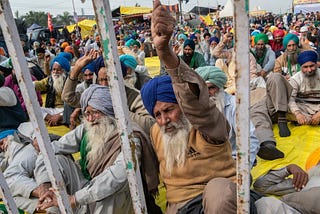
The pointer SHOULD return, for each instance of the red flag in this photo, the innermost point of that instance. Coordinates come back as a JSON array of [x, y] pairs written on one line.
[[50, 25]]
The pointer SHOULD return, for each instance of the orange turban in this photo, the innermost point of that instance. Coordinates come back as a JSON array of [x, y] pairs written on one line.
[[313, 159]]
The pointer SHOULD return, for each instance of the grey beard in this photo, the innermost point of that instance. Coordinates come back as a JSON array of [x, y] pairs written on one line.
[[58, 83]]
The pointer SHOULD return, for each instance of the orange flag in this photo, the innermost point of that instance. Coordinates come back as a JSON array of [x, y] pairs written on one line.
[[50, 25]]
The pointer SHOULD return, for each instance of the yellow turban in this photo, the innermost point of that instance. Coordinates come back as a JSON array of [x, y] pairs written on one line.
[[313, 159]]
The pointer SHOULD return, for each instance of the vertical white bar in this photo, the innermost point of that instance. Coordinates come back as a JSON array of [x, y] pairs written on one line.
[[241, 26], [8, 200], [13, 43], [119, 100]]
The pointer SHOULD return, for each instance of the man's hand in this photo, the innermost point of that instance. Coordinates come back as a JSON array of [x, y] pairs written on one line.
[[300, 177], [162, 25], [40, 190], [88, 57], [55, 119], [302, 119], [315, 119], [47, 200]]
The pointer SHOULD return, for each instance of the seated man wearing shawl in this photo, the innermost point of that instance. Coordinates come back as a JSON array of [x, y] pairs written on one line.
[[101, 183], [193, 151], [299, 194], [215, 80], [305, 98], [137, 111], [53, 86], [264, 55], [190, 56], [287, 63]]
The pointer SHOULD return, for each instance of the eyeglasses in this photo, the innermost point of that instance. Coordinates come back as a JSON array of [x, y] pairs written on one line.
[[92, 113]]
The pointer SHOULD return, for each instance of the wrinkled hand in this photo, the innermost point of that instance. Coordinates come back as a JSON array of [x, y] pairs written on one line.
[[315, 119], [302, 119], [54, 120], [40, 190], [47, 200], [300, 177], [162, 25], [88, 57]]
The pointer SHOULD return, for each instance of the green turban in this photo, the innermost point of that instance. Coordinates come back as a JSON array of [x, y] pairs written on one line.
[[288, 38], [261, 36], [213, 75], [135, 42], [1, 80]]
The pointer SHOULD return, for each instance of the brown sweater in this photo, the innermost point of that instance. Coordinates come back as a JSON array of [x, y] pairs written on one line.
[[204, 162]]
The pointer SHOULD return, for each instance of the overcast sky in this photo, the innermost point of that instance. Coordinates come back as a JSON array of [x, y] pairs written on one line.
[[59, 6]]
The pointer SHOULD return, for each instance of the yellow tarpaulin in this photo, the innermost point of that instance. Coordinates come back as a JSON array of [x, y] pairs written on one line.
[[134, 10], [86, 27], [295, 2], [207, 19]]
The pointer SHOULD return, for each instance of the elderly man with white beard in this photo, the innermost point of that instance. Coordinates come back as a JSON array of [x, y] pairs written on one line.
[[215, 79], [100, 183], [190, 137], [53, 86], [304, 102]]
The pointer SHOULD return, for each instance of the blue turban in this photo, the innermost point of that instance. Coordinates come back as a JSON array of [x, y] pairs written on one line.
[[66, 55], [98, 97], [6, 133], [129, 61], [91, 67], [215, 39], [182, 36], [62, 61], [288, 38], [307, 56], [157, 89], [213, 75], [190, 43], [193, 36], [99, 63]]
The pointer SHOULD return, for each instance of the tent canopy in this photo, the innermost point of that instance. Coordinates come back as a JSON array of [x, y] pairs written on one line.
[[33, 27], [86, 26], [306, 8], [227, 10]]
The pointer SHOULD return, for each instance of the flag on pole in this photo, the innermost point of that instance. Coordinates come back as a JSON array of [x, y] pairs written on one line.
[[50, 25]]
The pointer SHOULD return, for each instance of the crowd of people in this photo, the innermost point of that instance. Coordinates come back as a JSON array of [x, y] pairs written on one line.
[[183, 120]]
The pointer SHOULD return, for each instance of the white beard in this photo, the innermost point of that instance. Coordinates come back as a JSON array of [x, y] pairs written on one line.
[[175, 145], [58, 83], [131, 79], [219, 100], [98, 132], [310, 80]]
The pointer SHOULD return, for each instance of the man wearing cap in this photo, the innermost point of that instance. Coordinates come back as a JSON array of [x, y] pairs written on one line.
[[276, 43], [137, 112], [264, 55], [137, 75], [304, 102], [190, 56], [287, 63], [11, 112], [215, 80], [53, 86], [100, 184], [299, 194], [190, 136]]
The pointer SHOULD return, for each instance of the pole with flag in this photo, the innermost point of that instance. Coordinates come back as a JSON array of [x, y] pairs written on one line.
[[50, 25]]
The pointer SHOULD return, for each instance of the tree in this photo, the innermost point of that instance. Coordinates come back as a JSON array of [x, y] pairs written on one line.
[[41, 18], [64, 19]]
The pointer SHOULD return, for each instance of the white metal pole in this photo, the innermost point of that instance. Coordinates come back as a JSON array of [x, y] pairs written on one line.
[[119, 100], [7, 197], [241, 26], [13, 43]]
